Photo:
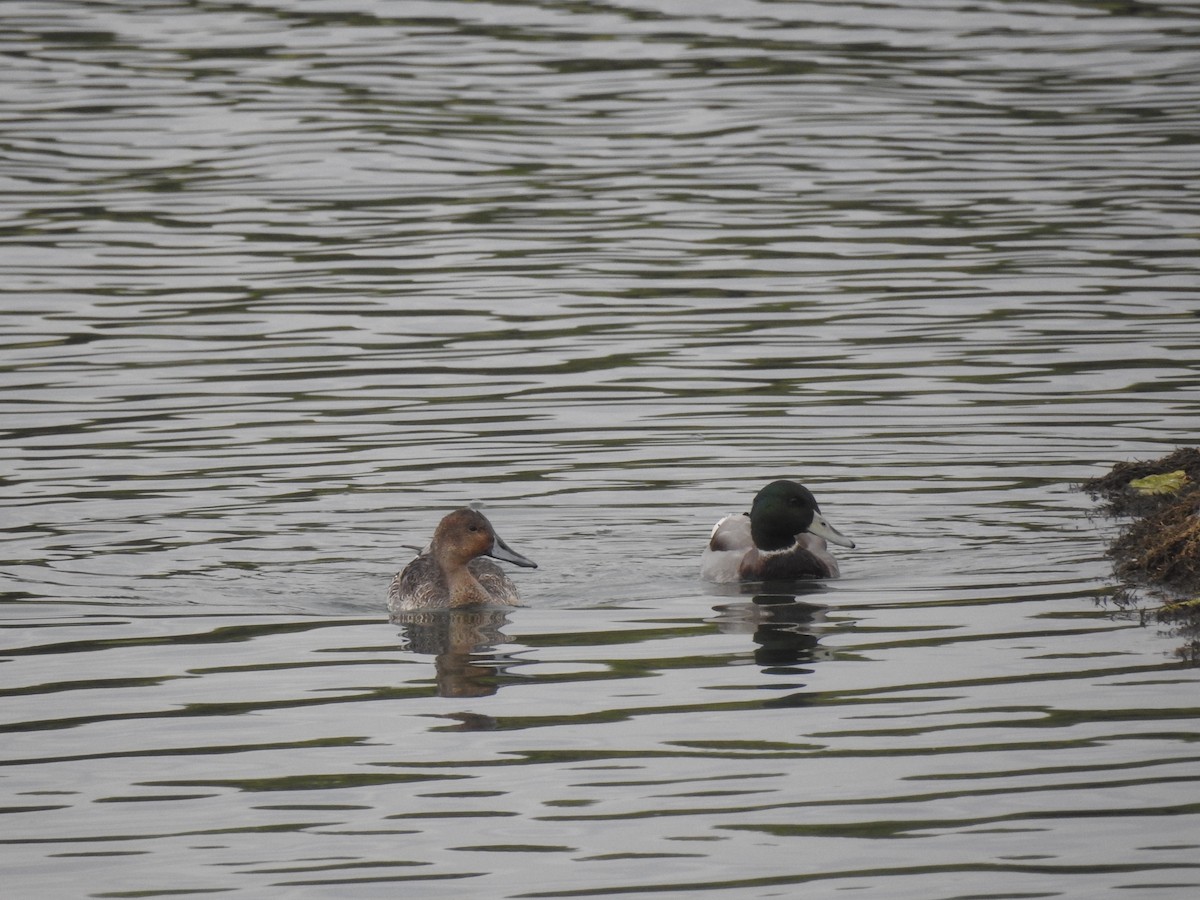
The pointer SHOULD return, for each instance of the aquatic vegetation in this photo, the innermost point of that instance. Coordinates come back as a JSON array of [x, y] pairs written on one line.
[[1167, 483], [1157, 549]]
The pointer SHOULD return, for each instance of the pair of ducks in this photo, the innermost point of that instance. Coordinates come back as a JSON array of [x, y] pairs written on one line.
[[782, 538]]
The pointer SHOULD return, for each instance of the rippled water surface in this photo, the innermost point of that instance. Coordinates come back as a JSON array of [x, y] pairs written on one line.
[[285, 282]]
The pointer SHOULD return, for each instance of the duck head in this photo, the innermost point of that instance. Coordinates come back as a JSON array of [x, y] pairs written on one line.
[[466, 533], [784, 509]]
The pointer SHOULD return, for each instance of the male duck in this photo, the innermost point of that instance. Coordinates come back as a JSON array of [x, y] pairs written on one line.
[[782, 538], [449, 573]]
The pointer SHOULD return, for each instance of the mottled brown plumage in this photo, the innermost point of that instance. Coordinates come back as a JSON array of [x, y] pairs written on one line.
[[449, 572]]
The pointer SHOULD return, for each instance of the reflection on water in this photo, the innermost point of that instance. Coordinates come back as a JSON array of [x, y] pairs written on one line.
[[463, 642], [782, 627], [285, 282]]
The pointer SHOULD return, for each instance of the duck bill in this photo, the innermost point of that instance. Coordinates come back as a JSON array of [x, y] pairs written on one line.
[[821, 527], [501, 550]]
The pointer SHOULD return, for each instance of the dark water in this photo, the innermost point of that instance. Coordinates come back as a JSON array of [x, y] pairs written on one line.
[[286, 282]]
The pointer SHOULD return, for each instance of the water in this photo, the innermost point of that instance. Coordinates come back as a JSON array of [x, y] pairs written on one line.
[[284, 283]]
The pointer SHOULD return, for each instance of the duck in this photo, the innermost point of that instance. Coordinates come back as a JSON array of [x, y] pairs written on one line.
[[450, 572], [782, 538]]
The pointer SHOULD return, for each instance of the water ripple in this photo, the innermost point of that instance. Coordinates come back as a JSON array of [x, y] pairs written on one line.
[[285, 282]]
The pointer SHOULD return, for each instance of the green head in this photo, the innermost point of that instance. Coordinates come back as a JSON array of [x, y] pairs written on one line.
[[784, 509]]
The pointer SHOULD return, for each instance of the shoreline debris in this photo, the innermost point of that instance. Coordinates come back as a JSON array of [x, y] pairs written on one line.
[[1157, 550]]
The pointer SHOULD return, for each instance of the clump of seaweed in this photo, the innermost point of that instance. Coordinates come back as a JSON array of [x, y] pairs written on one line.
[[1124, 499], [1158, 549]]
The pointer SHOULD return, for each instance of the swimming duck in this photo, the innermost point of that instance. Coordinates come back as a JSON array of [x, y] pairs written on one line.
[[782, 538], [449, 572]]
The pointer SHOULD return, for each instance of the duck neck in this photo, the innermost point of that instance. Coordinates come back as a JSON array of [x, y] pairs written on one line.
[[465, 589], [770, 539]]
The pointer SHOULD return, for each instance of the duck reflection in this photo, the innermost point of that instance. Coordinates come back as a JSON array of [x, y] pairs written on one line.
[[462, 642], [783, 626]]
